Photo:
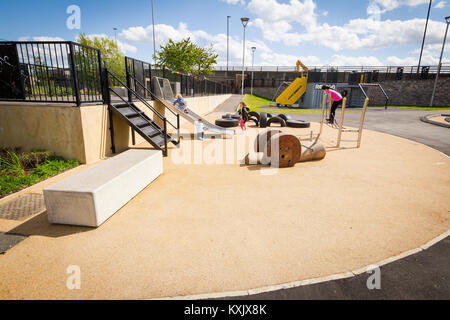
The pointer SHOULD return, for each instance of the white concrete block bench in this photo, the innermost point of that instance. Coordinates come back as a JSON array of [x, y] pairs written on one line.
[[91, 196]]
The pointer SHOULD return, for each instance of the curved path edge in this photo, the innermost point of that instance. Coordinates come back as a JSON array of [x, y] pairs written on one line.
[[306, 282], [426, 119]]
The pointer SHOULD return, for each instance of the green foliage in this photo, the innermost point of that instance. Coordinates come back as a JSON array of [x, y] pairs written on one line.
[[111, 54], [184, 56], [10, 163], [41, 164]]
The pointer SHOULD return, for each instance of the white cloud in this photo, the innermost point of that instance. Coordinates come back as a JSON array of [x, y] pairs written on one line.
[[242, 2], [340, 60], [440, 5], [124, 47], [40, 38], [278, 23]]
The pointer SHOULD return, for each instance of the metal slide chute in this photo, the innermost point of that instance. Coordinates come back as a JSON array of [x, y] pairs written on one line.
[[165, 95]]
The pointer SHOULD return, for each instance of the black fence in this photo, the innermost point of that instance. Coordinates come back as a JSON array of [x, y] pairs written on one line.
[[50, 72], [191, 86], [68, 72]]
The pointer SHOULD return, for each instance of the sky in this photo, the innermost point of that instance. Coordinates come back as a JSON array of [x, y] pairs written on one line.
[[318, 32]]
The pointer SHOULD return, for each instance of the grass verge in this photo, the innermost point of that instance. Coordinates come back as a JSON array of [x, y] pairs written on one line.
[[21, 170]]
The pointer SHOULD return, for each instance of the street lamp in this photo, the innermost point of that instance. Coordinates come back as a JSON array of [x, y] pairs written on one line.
[[244, 23], [154, 41], [447, 19], [228, 39], [115, 34], [253, 62], [424, 35]]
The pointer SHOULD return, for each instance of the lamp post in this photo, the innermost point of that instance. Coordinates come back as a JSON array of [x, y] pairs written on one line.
[[424, 35], [154, 41], [115, 34], [244, 23], [228, 40], [253, 63], [447, 19]]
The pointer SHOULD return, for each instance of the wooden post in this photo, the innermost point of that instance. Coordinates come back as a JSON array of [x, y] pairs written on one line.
[[361, 123], [341, 122]]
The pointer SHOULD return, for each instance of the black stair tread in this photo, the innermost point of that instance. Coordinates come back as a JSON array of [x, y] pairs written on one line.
[[150, 131], [140, 122], [159, 140], [127, 112], [119, 106]]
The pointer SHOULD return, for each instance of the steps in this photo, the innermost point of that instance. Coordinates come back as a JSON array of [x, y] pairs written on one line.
[[144, 125]]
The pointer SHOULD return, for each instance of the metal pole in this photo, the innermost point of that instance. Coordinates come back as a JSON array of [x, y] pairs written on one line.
[[424, 35], [440, 63], [228, 40], [154, 41], [243, 63], [253, 62]]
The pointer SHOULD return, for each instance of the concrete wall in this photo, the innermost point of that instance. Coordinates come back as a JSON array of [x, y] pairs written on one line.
[[77, 133]]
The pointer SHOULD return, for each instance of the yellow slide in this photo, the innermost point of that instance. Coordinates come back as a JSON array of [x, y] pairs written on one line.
[[297, 88]]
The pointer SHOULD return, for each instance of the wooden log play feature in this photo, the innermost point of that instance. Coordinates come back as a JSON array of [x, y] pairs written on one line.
[[263, 138], [312, 152], [283, 150]]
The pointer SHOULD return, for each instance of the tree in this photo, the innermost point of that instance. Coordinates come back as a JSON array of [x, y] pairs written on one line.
[[111, 54], [184, 56]]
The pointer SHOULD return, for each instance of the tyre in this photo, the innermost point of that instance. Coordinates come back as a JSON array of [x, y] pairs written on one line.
[[226, 116], [227, 123], [235, 116], [285, 117], [253, 119], [254, 114], [269, 115], [298, 124], [276, 120], [263, 120]]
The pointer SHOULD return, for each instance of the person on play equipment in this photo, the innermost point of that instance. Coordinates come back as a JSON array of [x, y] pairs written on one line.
[[242, 124], [181, 103], [199, 126], [243, 111], [334, 96]]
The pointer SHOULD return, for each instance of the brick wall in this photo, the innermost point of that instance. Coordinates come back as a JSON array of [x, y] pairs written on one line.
[[415, 92]]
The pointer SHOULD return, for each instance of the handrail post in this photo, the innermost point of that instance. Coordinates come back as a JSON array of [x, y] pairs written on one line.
[[75, 75], [341, 122], [127, 72], [361, 123], [178, 128], [165, 137]]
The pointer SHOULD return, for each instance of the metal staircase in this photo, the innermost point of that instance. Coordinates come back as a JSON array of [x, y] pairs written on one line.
[[139, 121]]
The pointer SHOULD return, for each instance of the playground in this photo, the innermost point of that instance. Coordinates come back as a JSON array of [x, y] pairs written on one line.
[[255, 231], [292, 200]]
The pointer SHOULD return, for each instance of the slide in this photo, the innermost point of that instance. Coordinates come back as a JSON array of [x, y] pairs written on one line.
[[165, 96], [294, 92]]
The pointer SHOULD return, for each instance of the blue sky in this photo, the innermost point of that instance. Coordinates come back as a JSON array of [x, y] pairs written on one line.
[[320, 32]]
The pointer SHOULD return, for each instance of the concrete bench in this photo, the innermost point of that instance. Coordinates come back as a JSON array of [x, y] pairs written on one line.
[[90, 197]]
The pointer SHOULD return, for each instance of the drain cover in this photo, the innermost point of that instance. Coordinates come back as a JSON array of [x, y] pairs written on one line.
[[22, 207], [7, 241]]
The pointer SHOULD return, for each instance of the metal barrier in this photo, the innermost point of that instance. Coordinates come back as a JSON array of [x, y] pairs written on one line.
[[65, 72]]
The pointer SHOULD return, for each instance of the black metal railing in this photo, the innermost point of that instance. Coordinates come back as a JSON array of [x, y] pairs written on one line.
[[50, 72]]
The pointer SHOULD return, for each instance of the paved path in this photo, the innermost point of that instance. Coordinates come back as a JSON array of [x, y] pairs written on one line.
[[425, 275], [230, 105]]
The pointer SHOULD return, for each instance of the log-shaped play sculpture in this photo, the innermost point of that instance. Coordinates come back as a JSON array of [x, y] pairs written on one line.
[[283, 150], [263, 137], [312, 152]]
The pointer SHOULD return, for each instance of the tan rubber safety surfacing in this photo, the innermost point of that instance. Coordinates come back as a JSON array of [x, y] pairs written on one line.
[[213, 228]]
